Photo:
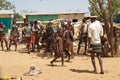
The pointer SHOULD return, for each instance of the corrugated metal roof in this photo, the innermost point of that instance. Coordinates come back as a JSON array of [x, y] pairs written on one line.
[[6, 12], [66, 13]]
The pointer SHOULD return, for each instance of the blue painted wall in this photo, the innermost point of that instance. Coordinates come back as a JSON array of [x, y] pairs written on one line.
[[7, 23]]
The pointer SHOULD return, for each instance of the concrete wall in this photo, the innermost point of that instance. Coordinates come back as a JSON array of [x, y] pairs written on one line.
[[70, 17], [5, 16], [47, 17]]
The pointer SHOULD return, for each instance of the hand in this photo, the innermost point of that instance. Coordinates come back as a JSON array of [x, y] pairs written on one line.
[[89, 50]]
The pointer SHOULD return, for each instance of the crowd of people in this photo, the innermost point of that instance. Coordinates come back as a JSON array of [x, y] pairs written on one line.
[[60, 43]]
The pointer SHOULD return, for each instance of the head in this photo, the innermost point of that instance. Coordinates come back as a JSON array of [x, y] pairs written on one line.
[[93, 19], [26, 24], [31, 23], [84, 20], [49, 24], [69, 22], [35, 22], [67, 27], [14, 24]]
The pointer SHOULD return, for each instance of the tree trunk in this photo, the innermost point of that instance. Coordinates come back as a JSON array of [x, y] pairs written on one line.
[[117, 50], [112, 43]]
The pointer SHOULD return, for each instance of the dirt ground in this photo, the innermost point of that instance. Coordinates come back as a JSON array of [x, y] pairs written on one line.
[[14, 63]]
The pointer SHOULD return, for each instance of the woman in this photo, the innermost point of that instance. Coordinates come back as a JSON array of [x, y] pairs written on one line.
[[14, 35], [27, 36]]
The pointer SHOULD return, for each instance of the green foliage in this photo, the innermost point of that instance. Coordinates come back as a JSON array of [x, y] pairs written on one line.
[[96, 10], [115, 7], [6, 5], [18, 17]]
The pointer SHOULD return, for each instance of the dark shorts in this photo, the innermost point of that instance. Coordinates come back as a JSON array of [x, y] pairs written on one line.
[[96, 48]]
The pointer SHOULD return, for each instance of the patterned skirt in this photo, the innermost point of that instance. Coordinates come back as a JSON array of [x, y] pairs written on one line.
[[33, 38], [27, 39], [14, 38], [96, 48]]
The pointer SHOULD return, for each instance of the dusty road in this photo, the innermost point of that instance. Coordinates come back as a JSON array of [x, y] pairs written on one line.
[[15, 63]]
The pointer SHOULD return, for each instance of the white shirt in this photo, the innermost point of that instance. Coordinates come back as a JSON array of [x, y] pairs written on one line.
[[28, 31], [35, 29], [95, 31]]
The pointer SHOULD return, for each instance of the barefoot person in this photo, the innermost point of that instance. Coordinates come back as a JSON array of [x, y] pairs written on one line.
[[27, 36], [95, 33], [2, 36], [14, 35], [68, 42], [58, 48], [83, 37]]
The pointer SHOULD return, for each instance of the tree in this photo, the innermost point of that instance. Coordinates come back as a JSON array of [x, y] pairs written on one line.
[[95, 6], [18, 17], [6, 5], [107, 12]]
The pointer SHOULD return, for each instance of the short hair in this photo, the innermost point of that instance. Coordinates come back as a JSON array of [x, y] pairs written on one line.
[[93, 18], [35, 21]]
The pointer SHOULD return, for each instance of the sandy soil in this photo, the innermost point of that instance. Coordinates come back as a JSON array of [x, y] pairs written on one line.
[[14, 63]]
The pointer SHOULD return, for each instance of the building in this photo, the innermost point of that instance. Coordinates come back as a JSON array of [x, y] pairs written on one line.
[[6, 19], [47, 17]]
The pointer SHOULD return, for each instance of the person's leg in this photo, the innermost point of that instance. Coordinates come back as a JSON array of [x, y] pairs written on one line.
[[78, 48], [71, 48], [10, 43], [2, 45], [33, 47], [51, 48], [6, 44], [100, 62], [55, 58], [93, 62], [28, 46], [33, 43], [46, 49], [38, 47], [15, 44], [85, 48], [67, 54], [62, 59]]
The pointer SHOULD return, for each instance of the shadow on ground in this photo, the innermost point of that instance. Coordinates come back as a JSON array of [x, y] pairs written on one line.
[[80, 71]]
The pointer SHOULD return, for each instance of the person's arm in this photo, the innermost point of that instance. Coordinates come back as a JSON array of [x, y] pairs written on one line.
[[89, 36], [101, 34]]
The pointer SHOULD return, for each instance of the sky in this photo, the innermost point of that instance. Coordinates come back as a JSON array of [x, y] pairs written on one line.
[[51, 6]]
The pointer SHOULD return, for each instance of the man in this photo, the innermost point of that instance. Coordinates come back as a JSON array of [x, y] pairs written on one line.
[[95, 33], [68, 42], [2, 36], [58, 48], [83, 37], [50, 39], [14, 34]]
